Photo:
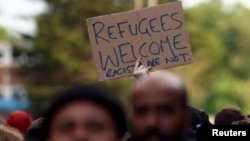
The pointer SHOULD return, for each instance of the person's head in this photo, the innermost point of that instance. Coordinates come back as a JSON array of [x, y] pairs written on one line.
[[20, 120], [199, 118], [241, 122], [159, 108], [34, 131], [84, 113], [228, 115], [248, 116], [9, 134]]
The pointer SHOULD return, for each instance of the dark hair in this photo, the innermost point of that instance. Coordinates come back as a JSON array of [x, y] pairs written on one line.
[[228, 115], [87, 92], [199, 118], [241, 122], [34, 131]]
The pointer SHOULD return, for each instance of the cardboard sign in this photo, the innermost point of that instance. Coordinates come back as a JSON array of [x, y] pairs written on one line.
[[156, 34]]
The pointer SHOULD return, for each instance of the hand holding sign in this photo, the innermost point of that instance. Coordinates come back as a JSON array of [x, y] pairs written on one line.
[[140, 71]]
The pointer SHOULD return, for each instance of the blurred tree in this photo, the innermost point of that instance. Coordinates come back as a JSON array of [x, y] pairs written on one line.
[[220, 73], [3, 34], [63, 45], [218, 77]]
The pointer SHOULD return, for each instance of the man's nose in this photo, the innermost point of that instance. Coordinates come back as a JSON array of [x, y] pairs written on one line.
[[151, 120], [80, 135]]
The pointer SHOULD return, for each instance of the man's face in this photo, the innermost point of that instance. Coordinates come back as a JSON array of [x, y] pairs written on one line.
[[82, 121], [158, 114]]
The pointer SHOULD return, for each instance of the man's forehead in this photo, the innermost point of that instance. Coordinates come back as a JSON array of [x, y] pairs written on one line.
[[152, 99], [157, 95]]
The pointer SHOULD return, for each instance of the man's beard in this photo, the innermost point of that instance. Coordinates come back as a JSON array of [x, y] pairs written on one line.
[[155, 135]]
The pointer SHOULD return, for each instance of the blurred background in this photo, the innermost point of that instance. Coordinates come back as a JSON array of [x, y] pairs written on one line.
[[44, 47]]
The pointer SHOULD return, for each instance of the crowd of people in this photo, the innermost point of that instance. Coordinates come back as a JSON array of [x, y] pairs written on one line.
[[159, 111]]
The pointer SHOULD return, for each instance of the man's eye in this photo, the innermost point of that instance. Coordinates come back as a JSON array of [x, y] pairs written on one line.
[[95, 126], [165, 109], [141, 111]]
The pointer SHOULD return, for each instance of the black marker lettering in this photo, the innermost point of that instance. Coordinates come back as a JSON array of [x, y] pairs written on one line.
[[96, 33]]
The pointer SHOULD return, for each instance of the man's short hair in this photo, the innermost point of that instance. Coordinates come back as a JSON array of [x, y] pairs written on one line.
[[228, 115]]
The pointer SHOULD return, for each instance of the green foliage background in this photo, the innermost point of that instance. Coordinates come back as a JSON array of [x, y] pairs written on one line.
[[219, 76]]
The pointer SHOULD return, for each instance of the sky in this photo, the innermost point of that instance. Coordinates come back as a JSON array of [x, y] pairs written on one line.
[[17, 16], [227, 3]]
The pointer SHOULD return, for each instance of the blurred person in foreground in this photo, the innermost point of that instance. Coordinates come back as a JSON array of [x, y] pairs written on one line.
[[10, 134], [21, 120], [84, 113], [242, 122], [228, 115], [159, 107], [200, 119], [34, 131]]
